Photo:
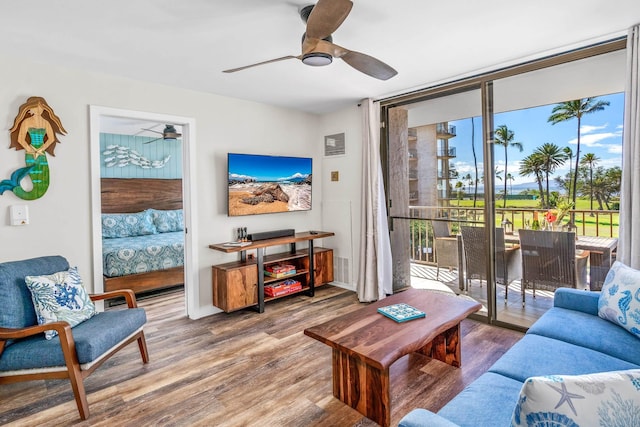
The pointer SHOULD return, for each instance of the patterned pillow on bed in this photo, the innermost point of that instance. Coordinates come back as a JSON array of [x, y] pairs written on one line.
[[127, 225], [167, 221]]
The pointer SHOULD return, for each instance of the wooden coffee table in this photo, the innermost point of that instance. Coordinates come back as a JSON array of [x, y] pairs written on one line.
[[365, 344]]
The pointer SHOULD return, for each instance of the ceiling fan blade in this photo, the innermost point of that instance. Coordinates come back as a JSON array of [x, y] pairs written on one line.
[[369, 65], [326, 17], [153, 140], [151, 130], [361, 62], [233, 70]]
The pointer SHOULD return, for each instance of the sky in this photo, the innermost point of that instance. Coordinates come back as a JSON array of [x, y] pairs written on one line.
[[268, 168], [601, 134]]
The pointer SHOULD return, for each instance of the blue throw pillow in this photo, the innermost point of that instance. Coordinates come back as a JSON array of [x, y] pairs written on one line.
[[60, 296], [619, 300], [127, 225], [167, 221], [601, 399]]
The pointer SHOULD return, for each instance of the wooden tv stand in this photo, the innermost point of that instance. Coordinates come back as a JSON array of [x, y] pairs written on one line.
[[240, 284]]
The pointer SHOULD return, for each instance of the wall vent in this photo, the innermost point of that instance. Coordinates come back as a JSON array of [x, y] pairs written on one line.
[[334, 145], [341, 270]]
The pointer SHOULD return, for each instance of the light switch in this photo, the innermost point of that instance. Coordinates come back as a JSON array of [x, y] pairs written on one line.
[[19, 215]]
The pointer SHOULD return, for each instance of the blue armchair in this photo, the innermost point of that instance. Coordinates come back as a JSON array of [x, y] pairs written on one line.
[[26, 355]]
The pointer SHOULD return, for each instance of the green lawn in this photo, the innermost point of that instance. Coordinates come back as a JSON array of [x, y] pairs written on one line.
[[604, 223]]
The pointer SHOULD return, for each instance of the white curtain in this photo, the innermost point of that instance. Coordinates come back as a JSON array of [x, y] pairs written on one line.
[[629, 230], [375, 278]]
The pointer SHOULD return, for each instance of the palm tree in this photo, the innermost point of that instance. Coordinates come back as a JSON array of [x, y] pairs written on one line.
[[569, 153], [510, 178], [532, 165], [575, 109], [550, 156], [589, 160], [504, 136], [475, 160], [459, 191], [469, 180]]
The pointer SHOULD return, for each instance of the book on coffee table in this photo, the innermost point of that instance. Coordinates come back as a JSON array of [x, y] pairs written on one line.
[[401, 312]]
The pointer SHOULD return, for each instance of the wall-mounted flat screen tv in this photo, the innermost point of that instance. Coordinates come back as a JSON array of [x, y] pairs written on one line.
[[260, 184]]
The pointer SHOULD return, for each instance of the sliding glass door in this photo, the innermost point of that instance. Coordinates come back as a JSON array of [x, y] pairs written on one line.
[[435, 185], [470, 165], [558, 144]]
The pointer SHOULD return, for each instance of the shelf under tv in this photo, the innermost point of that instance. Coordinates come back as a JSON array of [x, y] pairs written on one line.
[[240, 284]]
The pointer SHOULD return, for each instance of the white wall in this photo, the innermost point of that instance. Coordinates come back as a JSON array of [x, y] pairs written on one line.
[[341, 199], [60, 221]]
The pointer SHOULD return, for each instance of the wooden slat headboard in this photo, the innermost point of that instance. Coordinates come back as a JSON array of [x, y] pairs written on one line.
[[121, 195]]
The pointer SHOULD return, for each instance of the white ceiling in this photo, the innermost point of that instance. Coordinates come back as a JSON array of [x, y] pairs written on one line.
[[188, 43]]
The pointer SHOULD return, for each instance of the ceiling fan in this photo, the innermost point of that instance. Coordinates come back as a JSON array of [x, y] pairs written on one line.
[[318, 49], [169, 133]]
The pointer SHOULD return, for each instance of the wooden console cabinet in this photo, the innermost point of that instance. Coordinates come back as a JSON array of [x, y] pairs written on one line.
[[240, 284]]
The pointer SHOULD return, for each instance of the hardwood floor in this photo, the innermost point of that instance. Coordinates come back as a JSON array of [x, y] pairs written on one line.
[[244, 369]]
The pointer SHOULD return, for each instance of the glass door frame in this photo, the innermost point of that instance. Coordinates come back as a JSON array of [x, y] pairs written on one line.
[[484, 82]]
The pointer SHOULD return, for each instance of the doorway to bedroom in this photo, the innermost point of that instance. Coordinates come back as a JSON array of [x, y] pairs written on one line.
[[140, 201]]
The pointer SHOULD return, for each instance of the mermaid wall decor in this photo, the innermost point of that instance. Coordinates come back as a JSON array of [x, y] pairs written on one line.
[[35, 130]]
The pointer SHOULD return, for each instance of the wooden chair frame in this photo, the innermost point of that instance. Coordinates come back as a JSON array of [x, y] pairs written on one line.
[[73, 369]]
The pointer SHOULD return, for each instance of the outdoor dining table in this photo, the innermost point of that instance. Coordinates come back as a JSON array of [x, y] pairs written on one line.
[[600, 255]]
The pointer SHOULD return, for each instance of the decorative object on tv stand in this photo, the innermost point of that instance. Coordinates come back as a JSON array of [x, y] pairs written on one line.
[[34, 130], [259, 184], [241, 234]]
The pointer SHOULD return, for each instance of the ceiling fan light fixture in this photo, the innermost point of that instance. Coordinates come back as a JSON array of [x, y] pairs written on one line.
[[317, 59], [170, 133]]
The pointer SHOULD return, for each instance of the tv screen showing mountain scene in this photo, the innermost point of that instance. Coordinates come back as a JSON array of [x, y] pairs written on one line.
[[260, 184]]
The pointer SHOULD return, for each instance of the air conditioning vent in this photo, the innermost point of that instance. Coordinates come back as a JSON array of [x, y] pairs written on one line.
[[341, 270], [334, 145]]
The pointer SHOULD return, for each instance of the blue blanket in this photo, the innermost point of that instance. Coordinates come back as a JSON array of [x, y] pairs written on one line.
[[141, 254]]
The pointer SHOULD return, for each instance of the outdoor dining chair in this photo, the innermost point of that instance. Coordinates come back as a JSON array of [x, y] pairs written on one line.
[[508, 267], [446, 246], [550, 261]]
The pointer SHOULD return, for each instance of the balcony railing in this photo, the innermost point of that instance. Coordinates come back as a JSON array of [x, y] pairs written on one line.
[[603, 223], [451, 152], [450, 175], [442, 129]]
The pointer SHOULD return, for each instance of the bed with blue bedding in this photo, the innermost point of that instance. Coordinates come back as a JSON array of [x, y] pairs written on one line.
[[142, 254], [142, 234]]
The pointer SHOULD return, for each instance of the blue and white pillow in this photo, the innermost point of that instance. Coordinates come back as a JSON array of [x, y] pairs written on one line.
[[127, 225], [167, 221], [619, 300], [602, 399], [60, 296]]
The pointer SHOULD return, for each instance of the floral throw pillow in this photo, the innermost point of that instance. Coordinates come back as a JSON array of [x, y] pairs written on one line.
[[602, 399], [167, 221], [127, 225], [619, 300], [60, 296]]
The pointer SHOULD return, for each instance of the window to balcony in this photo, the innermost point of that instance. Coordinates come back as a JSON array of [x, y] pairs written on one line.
[[502, 125]]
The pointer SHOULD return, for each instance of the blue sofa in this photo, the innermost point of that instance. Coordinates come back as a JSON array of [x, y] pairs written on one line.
[[73, 354], [569, 339]]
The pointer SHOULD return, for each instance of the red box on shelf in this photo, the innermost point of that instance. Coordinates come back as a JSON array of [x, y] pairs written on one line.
[[280, 268], [280, 275], [282, 288]]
